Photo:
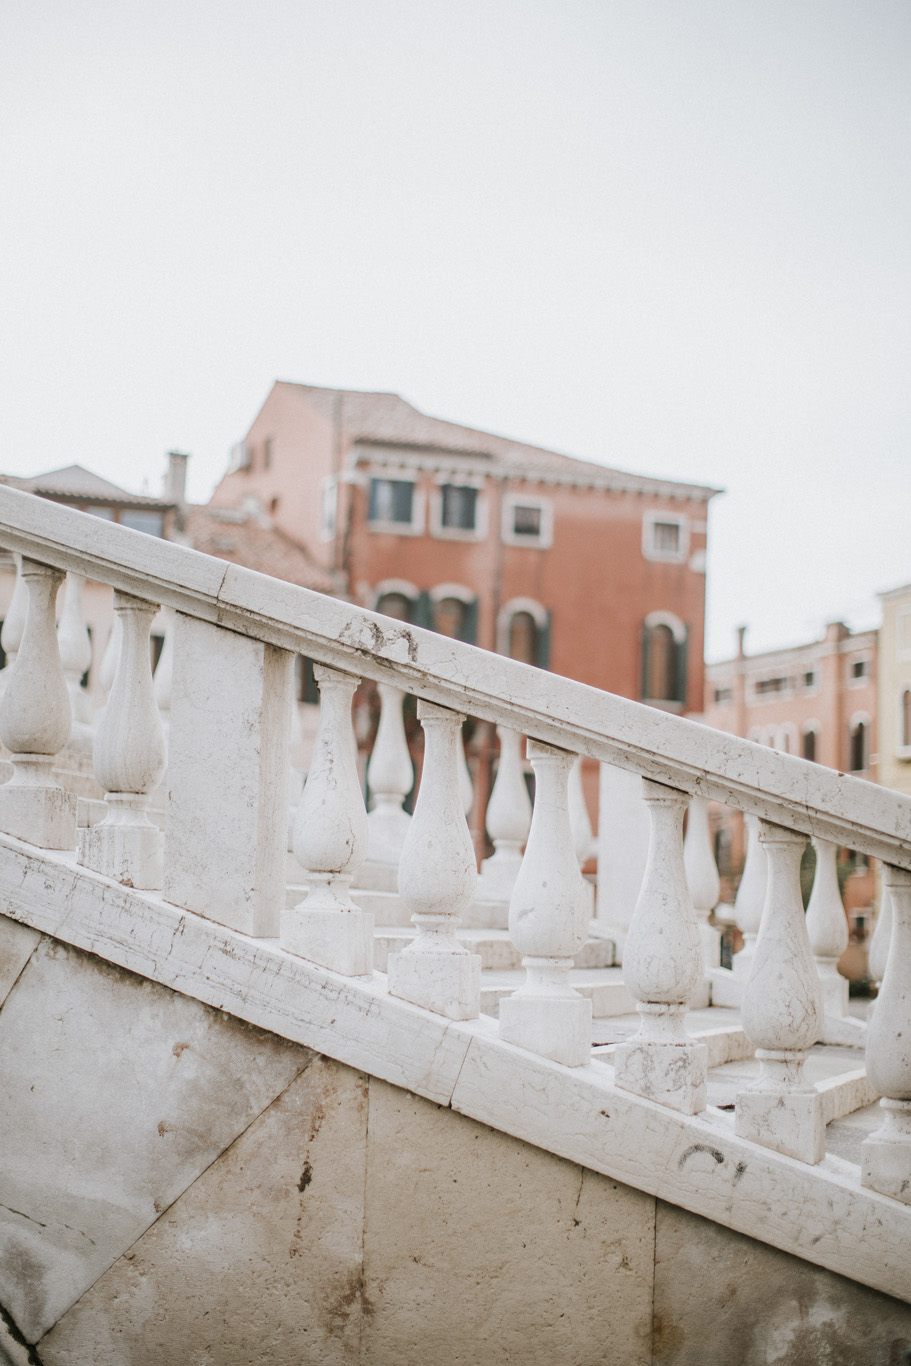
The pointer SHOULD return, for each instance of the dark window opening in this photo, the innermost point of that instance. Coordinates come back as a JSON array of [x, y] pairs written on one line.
[[459, 507], [391, 500], [526, 521], [663, 665], [859, 748], [808, 745]]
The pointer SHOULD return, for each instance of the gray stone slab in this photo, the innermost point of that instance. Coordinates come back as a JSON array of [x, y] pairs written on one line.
[[479, 1249], [17, 944], [115, 1093], [259, 1261], [721, 1298]]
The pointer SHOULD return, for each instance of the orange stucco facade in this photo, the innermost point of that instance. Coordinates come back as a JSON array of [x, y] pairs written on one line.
[[592, 569]]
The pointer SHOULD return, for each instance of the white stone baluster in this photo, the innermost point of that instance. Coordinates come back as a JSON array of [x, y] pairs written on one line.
[[508, 821], [390, 775], [548, 922], [827, 926], [35, 721], [14, 622], [886, 1154], [750, 897], [330, 841], [882, 936], [129, 759], [702, 876], [663, 966], [437, 879], [782, 1013], [75, 653]]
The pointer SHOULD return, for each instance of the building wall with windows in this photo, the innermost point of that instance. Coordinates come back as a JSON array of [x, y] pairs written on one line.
[[894, 693], [589, 571], [818, 701]]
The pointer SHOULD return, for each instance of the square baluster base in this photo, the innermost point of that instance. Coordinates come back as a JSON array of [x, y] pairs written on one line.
[[337, 939], [130, 854], [886, 1167], [673, 1074], [554, 1028], [789, 1122], [447, 983], [40, 815]]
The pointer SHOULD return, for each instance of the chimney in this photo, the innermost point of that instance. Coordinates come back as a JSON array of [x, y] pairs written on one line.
[[175, 484]]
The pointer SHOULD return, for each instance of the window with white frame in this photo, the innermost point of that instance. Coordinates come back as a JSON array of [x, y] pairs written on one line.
[[664, 661], [523, 632], [859, 669], [859, 743], [665, 536], [809, 742], [458, 511], [393, 505], [527, 521]]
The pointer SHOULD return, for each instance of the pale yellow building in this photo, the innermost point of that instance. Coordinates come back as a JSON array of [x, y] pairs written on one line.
[[894, 692]]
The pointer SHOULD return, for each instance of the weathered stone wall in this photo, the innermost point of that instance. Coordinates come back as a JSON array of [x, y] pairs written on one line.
[[178, 1186]]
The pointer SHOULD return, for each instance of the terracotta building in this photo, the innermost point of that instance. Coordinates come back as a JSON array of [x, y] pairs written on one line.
[[591, 572], [818, 701]]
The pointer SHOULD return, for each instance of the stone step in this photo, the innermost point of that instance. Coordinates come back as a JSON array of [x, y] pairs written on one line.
[[717, 1027], [390, 910], [495, 948], [603, 986]]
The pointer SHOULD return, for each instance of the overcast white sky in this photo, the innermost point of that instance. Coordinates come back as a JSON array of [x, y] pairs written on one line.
[[673, 236]]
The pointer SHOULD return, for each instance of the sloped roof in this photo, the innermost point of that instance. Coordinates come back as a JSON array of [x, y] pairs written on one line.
[[389, 419], [76, 482], [255, 544]]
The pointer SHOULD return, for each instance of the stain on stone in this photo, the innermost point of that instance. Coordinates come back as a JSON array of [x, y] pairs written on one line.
[[306, 1177], [353, 1297], [20, 1268], [604, 1113], [739, 1171], [179, 1048], [12, 1329], [667, 1336], [164, 1128], [699, 1148]]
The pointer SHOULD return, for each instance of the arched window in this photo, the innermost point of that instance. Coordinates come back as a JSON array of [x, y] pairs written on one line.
[[906, 719], [395, 605], [664, 641], [453, 611], [523, 632], [523, 638], [808, 744], [858, 746]]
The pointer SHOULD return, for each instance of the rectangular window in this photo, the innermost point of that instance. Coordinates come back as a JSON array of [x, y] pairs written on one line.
[[859, 668], [666, 537], [767, 685], [723, 695], [808, 679], [459, 507], [526, 521], [391, 500], [267, 452]]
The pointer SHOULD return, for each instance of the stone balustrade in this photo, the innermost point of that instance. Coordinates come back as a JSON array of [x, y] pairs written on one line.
[[233, 636]]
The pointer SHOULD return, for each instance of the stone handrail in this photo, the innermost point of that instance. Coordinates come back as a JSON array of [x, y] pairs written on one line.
[[235, 636], [668, 749]]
